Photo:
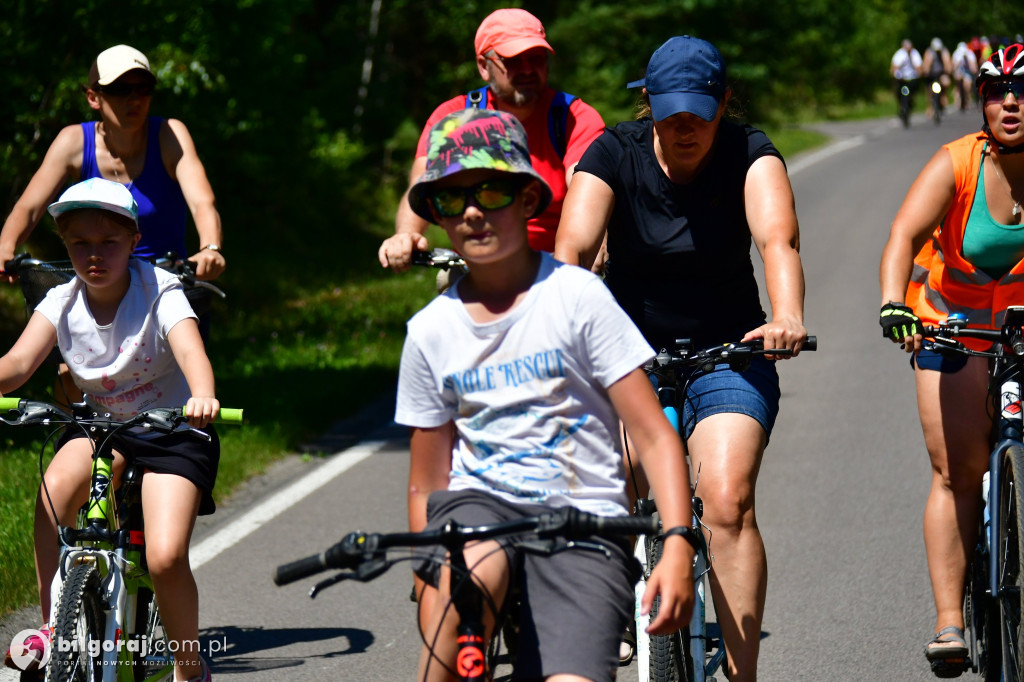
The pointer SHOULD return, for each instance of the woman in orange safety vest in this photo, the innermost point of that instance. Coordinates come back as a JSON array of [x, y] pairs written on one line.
[[957, 246]]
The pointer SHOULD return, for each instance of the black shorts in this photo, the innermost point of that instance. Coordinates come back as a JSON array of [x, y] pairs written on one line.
[[184, 454], [574, 605]]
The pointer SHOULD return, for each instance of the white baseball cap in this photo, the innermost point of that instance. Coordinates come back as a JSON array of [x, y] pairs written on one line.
[[116, 61], [98, 193]]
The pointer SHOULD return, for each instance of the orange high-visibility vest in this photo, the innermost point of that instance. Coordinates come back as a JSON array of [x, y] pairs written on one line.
[[943, 281]]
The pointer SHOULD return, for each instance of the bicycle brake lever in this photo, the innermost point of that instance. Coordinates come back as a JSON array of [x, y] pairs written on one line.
[[324, 584], [539, 547], [202, 434], [370, 569]]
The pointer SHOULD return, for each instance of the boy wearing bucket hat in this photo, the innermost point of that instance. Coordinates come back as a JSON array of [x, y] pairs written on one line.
[[131, 341], [512, 57], [513, 382]]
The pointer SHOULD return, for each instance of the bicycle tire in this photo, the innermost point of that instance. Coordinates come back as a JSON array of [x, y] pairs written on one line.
[[1008, 553], [80, 621], [156, 655], [982, 616], [669, 660]]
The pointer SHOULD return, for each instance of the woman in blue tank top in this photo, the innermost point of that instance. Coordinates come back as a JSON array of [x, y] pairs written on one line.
[[154, 158]]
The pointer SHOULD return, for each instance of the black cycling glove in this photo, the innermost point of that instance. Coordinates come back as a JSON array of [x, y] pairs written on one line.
[[898, 321]]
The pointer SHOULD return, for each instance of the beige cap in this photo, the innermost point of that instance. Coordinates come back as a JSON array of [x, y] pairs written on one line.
[[116, 61]]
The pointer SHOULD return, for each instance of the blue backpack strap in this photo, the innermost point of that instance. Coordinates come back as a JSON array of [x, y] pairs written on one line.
[[558, 117], [477, 99]]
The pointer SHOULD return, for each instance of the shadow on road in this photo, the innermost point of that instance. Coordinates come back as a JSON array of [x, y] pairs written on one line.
[[237, 643]]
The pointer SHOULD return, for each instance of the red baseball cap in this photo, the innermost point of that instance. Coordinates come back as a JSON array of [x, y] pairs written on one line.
[[510, 32]]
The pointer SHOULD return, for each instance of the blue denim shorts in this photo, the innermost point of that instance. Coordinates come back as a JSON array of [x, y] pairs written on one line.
[[754, 392], [938, 362]]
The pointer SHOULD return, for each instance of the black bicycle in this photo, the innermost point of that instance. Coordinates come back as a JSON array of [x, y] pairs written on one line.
[[905, 99], [365, 556], [995, 579], [692, 654]]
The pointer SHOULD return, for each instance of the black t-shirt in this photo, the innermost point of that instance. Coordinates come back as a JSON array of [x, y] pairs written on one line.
[[679, 255]]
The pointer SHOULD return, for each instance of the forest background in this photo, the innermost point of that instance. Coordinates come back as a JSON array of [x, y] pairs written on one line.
[[306, 115]]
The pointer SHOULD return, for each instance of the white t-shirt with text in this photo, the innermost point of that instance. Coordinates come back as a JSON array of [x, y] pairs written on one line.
[[528, 392]]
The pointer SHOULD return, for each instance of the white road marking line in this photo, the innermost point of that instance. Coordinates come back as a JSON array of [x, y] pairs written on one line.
[[253, 519], [822, 154]]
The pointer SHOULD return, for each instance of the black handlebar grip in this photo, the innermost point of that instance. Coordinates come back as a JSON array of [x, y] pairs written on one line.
[[296, 570], [626, 525], [811, 343]]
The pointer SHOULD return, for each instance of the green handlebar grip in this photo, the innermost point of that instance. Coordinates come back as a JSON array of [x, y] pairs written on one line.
[[227, 415], [9, 403], [230, 415]]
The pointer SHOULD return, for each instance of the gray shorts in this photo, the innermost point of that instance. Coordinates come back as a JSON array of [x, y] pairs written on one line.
[[574, 606]]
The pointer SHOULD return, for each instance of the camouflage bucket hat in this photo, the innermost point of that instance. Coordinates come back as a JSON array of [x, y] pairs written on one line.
[[475, 138]]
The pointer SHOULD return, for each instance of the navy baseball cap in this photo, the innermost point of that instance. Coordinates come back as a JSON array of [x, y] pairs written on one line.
[[685, 74]]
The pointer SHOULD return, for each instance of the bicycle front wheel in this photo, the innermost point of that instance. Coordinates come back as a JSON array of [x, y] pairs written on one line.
[[1008, 554], [77, 654], [669, 660]]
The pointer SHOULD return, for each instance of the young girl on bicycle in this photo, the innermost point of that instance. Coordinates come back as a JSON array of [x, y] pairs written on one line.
[[513, 382], [131, 340]]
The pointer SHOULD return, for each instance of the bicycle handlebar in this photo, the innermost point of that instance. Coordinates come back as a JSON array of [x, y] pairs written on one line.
[[364, 553], [943, 337], [684, 356], [35, 412], [182, 268]]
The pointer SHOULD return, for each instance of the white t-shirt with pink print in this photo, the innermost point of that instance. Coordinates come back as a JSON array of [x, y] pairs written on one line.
[[126, 366]]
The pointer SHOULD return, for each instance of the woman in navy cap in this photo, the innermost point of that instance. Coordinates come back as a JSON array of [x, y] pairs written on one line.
[[680, 194]]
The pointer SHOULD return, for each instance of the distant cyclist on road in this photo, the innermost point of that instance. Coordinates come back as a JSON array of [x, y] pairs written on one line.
[[905, 68], [972, 263], [965, 70], [937, 67], [512, 58]]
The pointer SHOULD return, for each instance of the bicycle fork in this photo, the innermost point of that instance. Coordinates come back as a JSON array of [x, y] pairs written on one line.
[[120, 606]]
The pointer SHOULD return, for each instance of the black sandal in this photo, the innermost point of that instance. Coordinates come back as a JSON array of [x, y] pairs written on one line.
[[948, 661]]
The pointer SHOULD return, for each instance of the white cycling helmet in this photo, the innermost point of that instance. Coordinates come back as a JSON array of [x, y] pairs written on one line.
[[1006, 63]]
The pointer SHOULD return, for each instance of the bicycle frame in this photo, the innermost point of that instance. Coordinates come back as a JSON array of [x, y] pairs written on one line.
[[111, 538], [697, 646], [115, 546], [671, 374]]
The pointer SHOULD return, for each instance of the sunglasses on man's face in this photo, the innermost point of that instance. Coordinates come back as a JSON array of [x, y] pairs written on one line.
[[116, 89], [488, 195], [997, 92]]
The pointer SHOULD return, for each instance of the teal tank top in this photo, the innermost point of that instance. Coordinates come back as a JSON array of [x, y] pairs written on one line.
[[992, 247]]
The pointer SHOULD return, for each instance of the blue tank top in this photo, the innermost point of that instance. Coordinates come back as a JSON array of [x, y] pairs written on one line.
[[163, 212]]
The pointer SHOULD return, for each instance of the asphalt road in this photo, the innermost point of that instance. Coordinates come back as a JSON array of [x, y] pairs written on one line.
[[840, 496]]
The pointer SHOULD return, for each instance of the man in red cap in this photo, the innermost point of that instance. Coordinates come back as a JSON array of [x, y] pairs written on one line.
[[512, 57]]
